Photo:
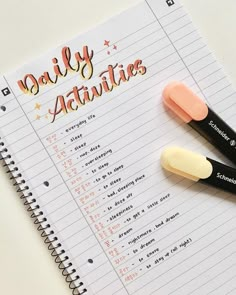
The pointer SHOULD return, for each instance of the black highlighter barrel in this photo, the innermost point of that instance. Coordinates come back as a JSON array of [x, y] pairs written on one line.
[[223, 177], [216, 131]]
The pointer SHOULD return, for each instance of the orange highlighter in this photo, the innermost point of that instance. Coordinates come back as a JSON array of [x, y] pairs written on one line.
[[194, 111]]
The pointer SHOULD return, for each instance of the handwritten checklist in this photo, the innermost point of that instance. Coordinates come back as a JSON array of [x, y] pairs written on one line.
[[85, 125]]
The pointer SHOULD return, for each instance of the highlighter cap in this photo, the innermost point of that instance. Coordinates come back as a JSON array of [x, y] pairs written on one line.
[[186, 163], [184, 103]]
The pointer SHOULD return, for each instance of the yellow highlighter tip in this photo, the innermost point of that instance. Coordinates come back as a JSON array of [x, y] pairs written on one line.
[[186, 163]]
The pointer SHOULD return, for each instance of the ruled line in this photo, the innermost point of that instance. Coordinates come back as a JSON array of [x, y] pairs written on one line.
[[230, 291], [219, 262], [164, 273], [173, 11], [217, 276]]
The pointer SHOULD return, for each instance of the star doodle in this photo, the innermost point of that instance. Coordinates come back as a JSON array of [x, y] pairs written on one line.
[[37, 106], [115, 47], [38, 117], [107, 43]]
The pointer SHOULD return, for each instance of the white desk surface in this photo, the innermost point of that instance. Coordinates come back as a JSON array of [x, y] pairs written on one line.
[[25, 264]]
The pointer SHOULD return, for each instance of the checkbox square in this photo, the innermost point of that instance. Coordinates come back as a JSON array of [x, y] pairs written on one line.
[[6, 91], [170, 2]]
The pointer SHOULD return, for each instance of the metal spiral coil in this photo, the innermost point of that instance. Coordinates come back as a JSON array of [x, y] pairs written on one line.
[[37, 215]]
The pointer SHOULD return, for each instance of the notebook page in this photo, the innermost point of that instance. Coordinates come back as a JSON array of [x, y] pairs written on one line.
[[127, 226]]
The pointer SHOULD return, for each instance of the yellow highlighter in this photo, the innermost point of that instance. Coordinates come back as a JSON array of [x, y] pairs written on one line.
[[199, 168]]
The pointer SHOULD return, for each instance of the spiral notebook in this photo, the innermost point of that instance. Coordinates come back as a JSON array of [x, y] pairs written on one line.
[[82, 128]]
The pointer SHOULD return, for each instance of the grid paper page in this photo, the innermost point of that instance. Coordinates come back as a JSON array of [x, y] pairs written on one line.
[[86, 128]]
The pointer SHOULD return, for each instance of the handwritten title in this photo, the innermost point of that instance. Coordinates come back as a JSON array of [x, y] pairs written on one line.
[[81, 63]]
